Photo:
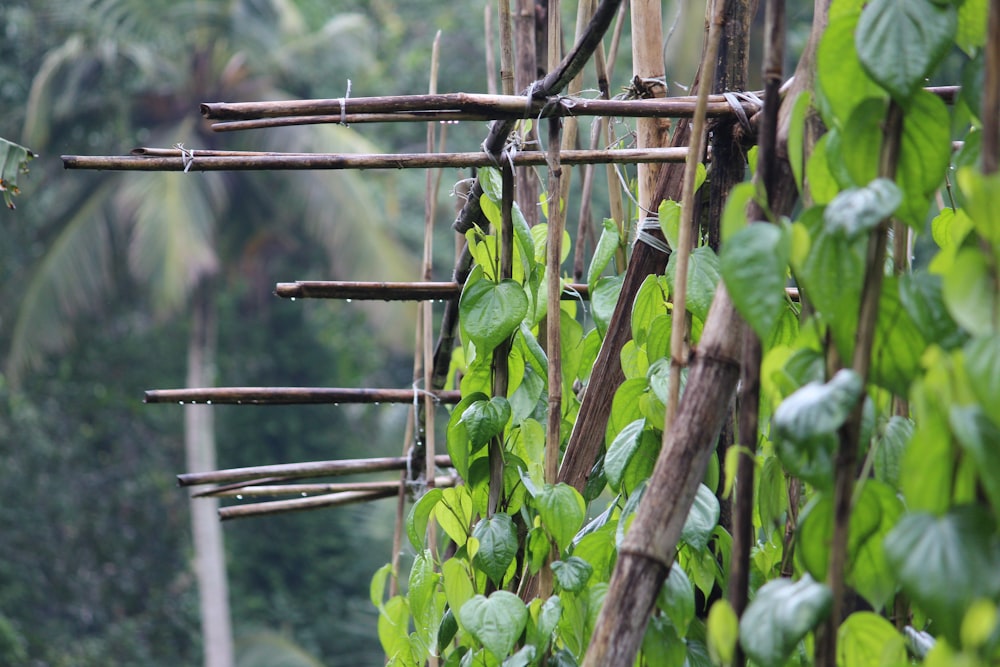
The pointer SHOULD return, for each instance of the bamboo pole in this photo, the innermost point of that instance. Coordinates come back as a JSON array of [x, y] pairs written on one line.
[[289, 471], [649, 76], [195, 161], [392, 291], [479, 106], [300, 504], [290, 395], [255, 490], [749, 391]]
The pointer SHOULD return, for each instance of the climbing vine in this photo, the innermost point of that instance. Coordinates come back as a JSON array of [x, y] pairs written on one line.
[[877, 485]]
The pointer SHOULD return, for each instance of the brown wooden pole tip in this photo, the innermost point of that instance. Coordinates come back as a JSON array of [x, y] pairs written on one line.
[[291, 396], [292, 471], [394, 291]]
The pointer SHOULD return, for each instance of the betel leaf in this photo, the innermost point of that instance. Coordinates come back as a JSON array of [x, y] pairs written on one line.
[[841, 81], [734, 216], [889, 450], [491, 312], [754, 264], [780, 616], [868, 640], [603, 299], [832, 275], [982, 365], [979, 437], [804, 426], [604, 252], [898, 344], [924, 155], [497, 546], [900, 41], [860, 143], [982, 201], [454, 513], [496, 622], [722, 632], [857, 211], [703, 276], [676, 599], [961, 548], [544, 617], [661, 645], [458, 442], [650, 302], [485, 419], [562, 511], [523, 658], [970, 34], [920, 293], [620, 452], [422, 594], [458, 587], [969, 292], [492, 182], [420, 513], [669, 216], [701, 519], [572, 574]]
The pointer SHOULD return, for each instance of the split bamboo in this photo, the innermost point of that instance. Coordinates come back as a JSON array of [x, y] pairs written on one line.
[[255, 490], [300, 504]]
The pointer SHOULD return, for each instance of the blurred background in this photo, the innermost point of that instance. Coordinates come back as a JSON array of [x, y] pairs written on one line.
[[106, 277]]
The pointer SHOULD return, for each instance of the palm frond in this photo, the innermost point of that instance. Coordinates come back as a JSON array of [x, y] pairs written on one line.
[[73, 277], [172, 247], [38, 114]]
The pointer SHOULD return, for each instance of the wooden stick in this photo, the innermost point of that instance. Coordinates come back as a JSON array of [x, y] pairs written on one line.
[[254, 490], [471, 106], [389, 291], [289, 471], [290, 395], [300, 504], [195, 161]]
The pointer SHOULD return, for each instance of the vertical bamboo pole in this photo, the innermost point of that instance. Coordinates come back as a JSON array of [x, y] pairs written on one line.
[[648, 68], [526, 72]]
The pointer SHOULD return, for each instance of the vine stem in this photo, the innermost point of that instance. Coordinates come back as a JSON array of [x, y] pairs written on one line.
[[678, 331], [850, 433], [739, 580]]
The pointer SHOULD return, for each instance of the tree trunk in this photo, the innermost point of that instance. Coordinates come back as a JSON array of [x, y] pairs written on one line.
[[206, 529]]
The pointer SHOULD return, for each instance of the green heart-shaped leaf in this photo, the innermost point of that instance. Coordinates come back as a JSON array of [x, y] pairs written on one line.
[[496, 622], [490, 312], [779, 616], [497, 546]]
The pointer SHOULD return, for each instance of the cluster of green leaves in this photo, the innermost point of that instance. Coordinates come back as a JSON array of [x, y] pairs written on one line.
[[923, 519]]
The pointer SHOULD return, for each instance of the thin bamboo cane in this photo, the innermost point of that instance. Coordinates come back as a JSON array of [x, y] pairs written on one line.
[[290, 395], [300, 504], [470, 106], [395, 291], [254, 490], [290, 471], [195, 161]]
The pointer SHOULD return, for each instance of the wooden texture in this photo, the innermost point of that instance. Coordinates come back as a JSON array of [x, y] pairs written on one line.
[[647, 552], [392, 291], [199, 161]]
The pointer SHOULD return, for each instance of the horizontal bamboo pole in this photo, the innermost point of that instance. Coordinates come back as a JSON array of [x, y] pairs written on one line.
[[290, 471], [254, 490], [290, 395], [300, 504], [489, 106], [195, 160], [443, 117], [392, 291]]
